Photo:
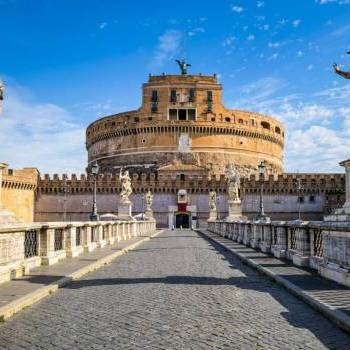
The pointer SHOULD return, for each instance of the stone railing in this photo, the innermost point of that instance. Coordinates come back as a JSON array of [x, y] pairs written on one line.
[[27, 246], [318, 245]]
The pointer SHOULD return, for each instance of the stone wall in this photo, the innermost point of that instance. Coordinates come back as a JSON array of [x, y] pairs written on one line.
[[62, 198], [18, 192], [216, 136]]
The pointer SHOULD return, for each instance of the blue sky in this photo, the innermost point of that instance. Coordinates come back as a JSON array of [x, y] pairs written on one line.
[[65, 63]]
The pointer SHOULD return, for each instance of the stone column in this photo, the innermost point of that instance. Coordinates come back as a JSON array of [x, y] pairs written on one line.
[[266, 239], [280, 248], [302, 256], [72, 249], [255, 242], [247, 234], [48, 253]]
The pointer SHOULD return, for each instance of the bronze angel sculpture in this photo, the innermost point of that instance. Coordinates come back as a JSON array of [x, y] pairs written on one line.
[[337, 70]]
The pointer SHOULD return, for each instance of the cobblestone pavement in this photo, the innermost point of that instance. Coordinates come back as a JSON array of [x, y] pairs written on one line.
[[176, 291]]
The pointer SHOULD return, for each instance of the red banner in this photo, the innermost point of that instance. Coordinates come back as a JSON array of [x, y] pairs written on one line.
[[182, 207]]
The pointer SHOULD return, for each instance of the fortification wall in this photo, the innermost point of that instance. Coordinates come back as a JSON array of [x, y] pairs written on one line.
[[63, 198], [18, 192]]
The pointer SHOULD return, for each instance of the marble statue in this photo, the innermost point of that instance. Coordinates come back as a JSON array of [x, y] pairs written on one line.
[[126, 185], [338, 71], [149, 200], [212, 200], [233, 181]]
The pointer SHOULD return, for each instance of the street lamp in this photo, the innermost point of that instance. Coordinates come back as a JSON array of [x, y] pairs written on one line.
[[262, 169], [143, 206], [94, 171], [300, 198]]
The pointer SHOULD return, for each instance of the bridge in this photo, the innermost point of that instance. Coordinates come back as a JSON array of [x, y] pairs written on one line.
[[171, 289]]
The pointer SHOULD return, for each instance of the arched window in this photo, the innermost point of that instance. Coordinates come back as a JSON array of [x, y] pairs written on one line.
[[278, 130], [240, 121], [227, 119], [265, 125]]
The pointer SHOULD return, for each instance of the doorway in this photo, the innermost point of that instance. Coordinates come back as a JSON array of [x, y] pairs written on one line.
[[182, 220]]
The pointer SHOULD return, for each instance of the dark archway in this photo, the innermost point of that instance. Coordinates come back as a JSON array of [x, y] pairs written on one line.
[[182, 220]]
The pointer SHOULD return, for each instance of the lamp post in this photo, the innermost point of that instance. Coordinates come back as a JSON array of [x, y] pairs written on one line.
[[300, 198], [217, 208], [262, 169], [143, 206], [94, 171]]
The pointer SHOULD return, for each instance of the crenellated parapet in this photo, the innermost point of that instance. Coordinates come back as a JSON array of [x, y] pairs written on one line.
[[287, 183]]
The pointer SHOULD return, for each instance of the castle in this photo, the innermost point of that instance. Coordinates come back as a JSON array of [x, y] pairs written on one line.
[[178, 145]]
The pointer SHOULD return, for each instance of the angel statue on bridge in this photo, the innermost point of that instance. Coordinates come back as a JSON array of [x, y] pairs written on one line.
[[233, 182], [126, 186], [337, 70]]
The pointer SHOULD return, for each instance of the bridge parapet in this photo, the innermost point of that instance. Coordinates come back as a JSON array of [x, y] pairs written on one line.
[[320, 245], [23, 247]]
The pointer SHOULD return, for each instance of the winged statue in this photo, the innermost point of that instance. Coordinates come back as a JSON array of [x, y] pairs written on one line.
[[344, 74]]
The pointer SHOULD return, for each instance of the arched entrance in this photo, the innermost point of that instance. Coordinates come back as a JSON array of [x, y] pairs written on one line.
[[182, 220]]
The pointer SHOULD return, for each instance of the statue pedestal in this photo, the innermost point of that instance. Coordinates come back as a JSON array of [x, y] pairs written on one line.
[[213, 215], [149, 213], [124, 210], [235, 211]]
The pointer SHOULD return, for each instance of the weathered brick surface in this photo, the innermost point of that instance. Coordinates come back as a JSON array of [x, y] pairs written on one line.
[[175, 292]]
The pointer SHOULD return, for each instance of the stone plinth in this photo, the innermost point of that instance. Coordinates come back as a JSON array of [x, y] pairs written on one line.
[[149, 214], [213, 215], [234, 211], [125, 210]]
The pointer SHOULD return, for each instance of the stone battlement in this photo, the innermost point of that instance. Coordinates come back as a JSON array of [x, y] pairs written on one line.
[[286, 183]]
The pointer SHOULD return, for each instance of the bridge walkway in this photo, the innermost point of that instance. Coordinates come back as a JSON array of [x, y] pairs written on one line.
[[176, 291]]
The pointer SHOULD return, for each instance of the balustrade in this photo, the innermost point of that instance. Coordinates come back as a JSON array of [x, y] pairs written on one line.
[[313, 244], [22, 248]]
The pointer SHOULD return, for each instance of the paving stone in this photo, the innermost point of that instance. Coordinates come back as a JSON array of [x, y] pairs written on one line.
[[174, 292]]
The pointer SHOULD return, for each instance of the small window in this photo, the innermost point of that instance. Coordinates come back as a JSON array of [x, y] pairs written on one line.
[[210, 96], [182, 114], [182, 177], [240, 121], [312, 199], [173, 97], [210, 106], [265, 125], [154, 107], [227, 119], [278, 130], [300, 199], [191, 114], [154, 96], [213, 119], [252, 121], [150, 118], [137, 119], [173, 114], [191, 96]]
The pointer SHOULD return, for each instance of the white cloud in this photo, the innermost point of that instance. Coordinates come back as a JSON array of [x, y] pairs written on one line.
[[237, 9], [168, 45], [340, 2], [251, 37], [103, 25], [310, 67], [260, 4], [296, 23], [41, 135], [195, 31], [300, 53], [317, 131], [274, 45]]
